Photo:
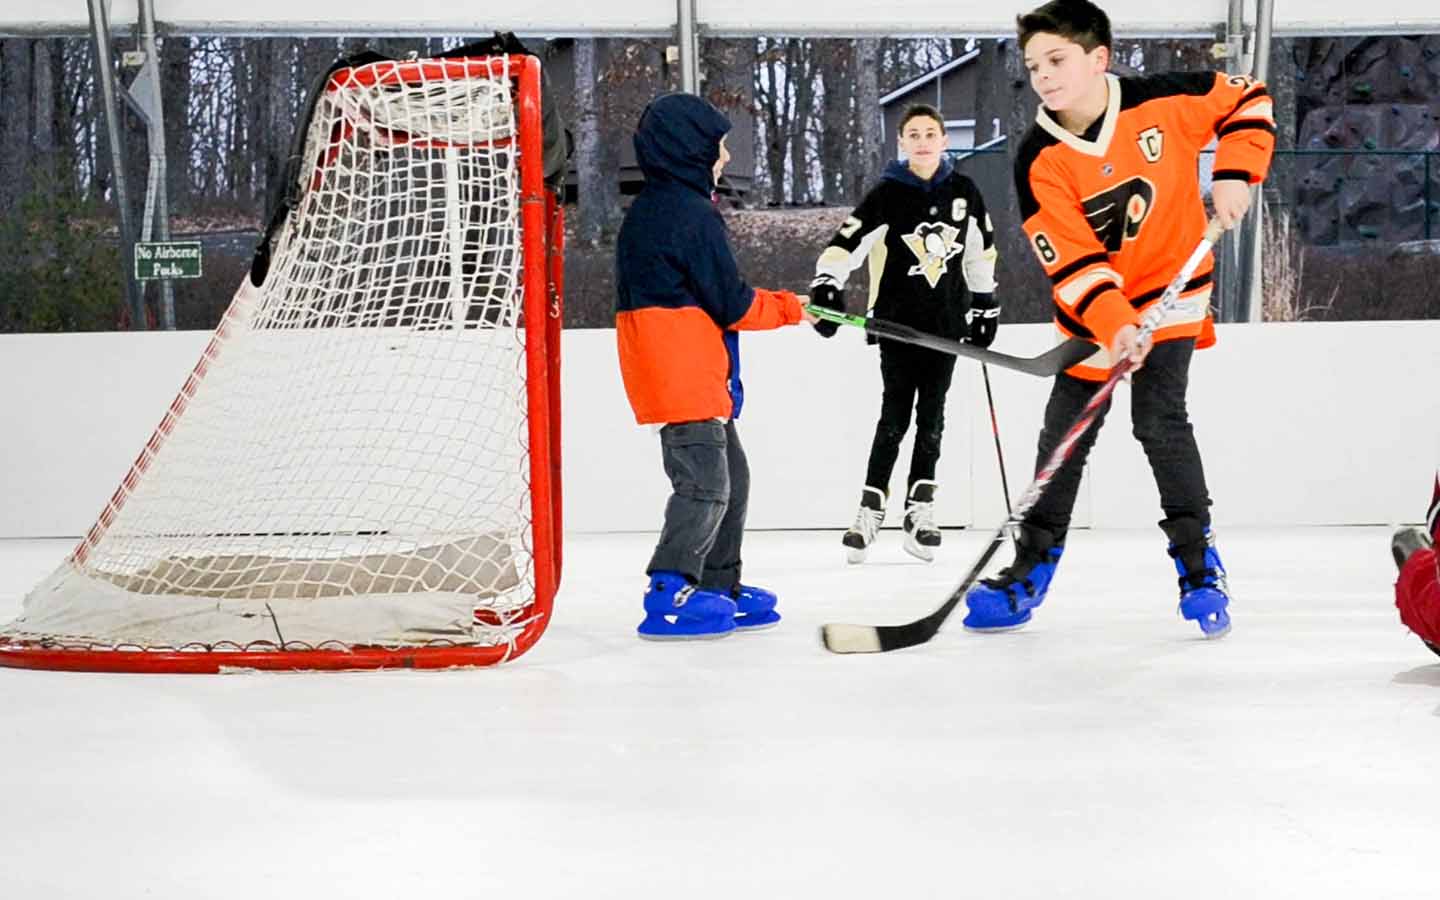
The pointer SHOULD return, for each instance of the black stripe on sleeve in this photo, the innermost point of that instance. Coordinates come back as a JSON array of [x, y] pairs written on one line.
[[1093, 293], [1066, 271], [1246, 125], [1072, 324], [1257, 91], [1195, 283]]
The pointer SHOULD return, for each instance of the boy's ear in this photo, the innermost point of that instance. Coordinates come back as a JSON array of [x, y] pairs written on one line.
[[1102, 58]]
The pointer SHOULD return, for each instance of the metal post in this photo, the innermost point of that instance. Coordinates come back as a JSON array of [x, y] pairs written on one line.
[[100, 37], [1426, 194], [1251, 254], [1235, 37], [158, 163], [688, 39], [1227, 252]]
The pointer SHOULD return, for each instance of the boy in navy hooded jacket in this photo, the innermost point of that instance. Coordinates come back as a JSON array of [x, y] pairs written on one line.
[[680, 305]]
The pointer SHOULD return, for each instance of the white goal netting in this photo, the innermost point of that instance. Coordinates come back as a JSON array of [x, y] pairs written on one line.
[[349, 465]]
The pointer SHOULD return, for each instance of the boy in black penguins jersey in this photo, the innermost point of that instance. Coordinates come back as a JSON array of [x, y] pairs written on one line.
[[931, 253]]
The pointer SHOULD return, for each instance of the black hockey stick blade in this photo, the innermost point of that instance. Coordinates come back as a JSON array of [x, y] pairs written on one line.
[[842, 638], [1052, 362]]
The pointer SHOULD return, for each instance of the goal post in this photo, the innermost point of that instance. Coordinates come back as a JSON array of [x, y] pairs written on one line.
[[362, 469]]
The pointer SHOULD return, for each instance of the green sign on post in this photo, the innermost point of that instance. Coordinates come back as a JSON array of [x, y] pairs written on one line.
[[167, 259]]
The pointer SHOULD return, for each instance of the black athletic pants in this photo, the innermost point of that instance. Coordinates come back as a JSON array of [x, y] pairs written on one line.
[[1161, 423], [913, 377]]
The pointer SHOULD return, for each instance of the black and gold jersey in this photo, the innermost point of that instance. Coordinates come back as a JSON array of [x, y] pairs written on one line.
[[929, 246]]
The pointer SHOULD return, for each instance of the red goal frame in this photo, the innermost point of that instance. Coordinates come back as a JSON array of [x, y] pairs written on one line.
[[542, 236]]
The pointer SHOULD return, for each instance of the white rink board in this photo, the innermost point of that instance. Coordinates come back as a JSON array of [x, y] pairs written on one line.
[[1300, 424], [716, 17]]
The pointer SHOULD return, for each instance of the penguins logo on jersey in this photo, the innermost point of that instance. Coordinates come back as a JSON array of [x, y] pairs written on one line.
[[933, 244]]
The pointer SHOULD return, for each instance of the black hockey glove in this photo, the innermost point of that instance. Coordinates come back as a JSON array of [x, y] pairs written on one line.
[[983, 319], [823, 292]]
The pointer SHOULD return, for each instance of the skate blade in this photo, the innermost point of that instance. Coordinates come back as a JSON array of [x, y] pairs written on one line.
[[996, 629], [920, 552], [681, 638], [1218, 633], [765, 621]]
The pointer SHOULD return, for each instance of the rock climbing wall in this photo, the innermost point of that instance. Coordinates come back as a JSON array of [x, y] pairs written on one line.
[[1378, 99]]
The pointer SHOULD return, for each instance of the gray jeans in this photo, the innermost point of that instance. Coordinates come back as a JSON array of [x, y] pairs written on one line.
[[705, 515]]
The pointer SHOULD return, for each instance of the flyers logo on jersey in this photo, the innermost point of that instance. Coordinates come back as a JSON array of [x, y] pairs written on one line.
[[933, 244], [1152, 143], [1116, 215]]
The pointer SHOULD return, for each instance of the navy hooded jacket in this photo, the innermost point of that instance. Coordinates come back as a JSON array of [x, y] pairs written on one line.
[[680, 296]]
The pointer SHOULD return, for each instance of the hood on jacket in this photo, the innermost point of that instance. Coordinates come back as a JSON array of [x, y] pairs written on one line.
[[899, 171], [678, 139]]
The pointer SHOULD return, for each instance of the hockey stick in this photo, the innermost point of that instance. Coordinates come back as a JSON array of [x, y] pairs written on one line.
[[1052, 362], [881, 638], [995, 430]]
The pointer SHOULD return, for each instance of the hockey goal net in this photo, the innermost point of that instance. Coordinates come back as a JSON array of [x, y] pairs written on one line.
[[362, 469]]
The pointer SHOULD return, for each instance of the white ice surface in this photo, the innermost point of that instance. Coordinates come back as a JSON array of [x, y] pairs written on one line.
[[1104, 752]]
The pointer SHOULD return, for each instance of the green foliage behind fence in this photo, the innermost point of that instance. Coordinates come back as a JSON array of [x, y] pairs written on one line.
[[61, 268]]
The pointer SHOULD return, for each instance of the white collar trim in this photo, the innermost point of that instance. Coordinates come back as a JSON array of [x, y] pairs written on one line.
[[1101, 144]]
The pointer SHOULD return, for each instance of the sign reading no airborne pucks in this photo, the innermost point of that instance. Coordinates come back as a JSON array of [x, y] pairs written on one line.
[[167, 259]]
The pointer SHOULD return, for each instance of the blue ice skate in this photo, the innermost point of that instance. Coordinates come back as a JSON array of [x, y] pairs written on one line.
[[1003, 603], [755, 608], [1204, 593], [676, 610]]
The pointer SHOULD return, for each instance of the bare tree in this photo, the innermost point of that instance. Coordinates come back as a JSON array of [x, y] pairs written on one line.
[[17, 72], [237, 175], [43, 140], [595, 183], [278, 125], [800, 78], [836, 65], [175, 80], [771, 90], [1027, 291], [867, 109], [990, 93]]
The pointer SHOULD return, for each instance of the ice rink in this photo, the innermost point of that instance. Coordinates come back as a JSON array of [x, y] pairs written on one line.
[[1104, 752]]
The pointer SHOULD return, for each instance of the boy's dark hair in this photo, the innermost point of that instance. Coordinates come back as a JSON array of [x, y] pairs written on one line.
[[1074, 20], [917, 110]]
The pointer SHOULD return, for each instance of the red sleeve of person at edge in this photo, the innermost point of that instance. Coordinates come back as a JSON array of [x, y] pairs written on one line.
[[1417, 592]]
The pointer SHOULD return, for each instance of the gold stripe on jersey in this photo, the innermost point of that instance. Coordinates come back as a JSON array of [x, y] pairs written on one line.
[[878, 254]]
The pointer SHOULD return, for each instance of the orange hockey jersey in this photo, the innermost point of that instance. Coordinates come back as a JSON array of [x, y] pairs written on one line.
[[1112, 214]]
